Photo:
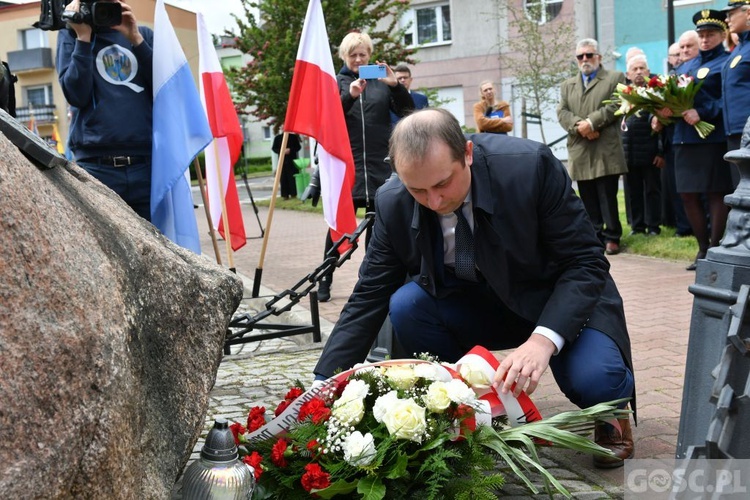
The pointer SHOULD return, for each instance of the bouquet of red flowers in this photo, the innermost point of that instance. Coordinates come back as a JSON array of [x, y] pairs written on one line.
[[404, 427], [676, 93]]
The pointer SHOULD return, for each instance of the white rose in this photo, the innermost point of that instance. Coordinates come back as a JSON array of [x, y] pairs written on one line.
[[436, 399], [459, 392], [400, 377], [474, 376], [359, 450], [427, 371], [406, 420], [349, 412], [383, 404], [355, 389]]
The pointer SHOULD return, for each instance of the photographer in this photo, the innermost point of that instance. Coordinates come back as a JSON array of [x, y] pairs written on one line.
[[106, 76]]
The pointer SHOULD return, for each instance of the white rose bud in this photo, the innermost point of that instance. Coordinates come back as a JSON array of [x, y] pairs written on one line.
[[349, 412], [474, 376], [359, 450], [406, 420], [355, 389], [459, 392], [436, 399], [400, 377], [383, 404], [427, 371]]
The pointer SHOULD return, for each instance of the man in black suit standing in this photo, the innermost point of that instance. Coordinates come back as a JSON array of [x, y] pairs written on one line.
[[497, 250]]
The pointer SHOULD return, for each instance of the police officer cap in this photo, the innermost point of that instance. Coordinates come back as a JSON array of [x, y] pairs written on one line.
[[710, 19], [736, 4]]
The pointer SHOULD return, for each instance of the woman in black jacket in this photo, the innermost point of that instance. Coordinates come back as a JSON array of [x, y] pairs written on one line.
[[367, 105]]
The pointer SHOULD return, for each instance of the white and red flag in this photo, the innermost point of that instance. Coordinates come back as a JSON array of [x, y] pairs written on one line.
[[227, 144], [315, 111]]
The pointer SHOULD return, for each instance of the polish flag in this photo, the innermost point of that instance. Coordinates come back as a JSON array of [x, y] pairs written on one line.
[[315, 111], [227, 144]]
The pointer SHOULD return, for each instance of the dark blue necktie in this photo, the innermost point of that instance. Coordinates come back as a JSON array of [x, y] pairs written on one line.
[[465, 265]]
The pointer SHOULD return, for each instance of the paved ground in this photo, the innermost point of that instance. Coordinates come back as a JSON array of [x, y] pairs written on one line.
[[657, 306]]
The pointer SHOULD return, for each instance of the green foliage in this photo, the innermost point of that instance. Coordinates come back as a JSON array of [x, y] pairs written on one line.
[[271, 38]]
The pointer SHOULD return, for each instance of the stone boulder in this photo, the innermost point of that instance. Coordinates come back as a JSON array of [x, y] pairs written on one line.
[[110, 339]]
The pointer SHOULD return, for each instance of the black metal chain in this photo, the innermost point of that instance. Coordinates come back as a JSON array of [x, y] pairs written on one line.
[[303, 287]]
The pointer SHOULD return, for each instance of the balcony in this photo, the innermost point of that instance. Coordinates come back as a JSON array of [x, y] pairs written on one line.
[[43, 114], [30, 59]]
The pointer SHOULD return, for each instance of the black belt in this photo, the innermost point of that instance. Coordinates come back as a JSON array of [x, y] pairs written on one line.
[[116, 161]]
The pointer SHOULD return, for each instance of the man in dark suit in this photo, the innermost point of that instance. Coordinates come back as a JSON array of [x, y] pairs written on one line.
[[403, 75], [538, 281]]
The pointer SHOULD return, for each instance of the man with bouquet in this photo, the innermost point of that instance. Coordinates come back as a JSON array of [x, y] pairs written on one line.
[[496, 250], [595, 157]]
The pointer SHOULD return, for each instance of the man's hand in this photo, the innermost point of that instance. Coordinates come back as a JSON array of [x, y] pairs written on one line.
[[659, 162], [83, 30], [691, 116], [584, 128], [593, 135], [129, 25], [664, 112], [525, 365], [656, 125]]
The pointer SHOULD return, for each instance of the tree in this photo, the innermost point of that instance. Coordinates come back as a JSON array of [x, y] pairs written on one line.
[[538, 56], [270, 34]]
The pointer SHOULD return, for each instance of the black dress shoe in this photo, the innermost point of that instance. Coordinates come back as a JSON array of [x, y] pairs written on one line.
[[694, 265]]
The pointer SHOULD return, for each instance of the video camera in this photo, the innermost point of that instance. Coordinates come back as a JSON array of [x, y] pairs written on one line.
[[98, 14]]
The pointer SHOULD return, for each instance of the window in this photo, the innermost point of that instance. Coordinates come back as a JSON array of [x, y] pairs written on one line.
[[32, 39], [267, 136], [38, 96], [542, 11], [427, 25]]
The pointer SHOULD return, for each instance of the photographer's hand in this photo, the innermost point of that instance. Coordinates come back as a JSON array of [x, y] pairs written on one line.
[[357, 87], [129, 25], [391, 79], [83, 30]]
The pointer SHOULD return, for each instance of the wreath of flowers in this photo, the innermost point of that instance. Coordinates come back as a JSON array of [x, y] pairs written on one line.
[[401, 428]]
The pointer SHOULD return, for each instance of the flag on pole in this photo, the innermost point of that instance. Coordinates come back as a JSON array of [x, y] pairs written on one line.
[[227, 143], [58, 142], [180, 132], [32, 123], [315, 110]]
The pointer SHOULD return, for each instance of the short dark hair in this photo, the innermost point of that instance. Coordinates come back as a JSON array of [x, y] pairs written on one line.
[[414, 135], [402, 68]]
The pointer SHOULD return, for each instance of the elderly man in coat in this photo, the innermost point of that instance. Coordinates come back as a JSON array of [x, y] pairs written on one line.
[[595, 156]]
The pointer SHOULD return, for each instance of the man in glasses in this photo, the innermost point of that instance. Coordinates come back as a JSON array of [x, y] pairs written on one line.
[[595, 157]]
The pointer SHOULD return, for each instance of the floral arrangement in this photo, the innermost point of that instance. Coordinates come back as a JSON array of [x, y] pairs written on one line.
[[400, 428], [674, 92]]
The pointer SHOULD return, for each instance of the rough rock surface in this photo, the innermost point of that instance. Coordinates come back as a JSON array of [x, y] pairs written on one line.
[[110, 339]]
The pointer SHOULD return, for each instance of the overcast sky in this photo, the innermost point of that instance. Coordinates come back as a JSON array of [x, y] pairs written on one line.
[[216, 12]]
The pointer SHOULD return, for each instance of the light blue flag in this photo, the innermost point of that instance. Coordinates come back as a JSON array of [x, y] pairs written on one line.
[[181, 131]]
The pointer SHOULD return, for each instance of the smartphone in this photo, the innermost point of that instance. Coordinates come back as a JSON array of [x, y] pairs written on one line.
[[372, 71]]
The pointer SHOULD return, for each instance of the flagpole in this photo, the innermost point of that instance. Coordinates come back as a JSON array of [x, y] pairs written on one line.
[[276, 182], [211, 230], [224, 213]]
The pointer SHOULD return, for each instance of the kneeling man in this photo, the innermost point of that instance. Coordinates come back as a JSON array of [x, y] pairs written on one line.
[[496, 250]]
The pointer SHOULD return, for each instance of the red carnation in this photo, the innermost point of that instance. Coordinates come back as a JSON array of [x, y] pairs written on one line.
[[655, 82], [627, 90], [237, 429], [315, 478], [316, 409], [277, 453], [254, 460], [282, 406], [293, 393], [313, 447], [256, 418]]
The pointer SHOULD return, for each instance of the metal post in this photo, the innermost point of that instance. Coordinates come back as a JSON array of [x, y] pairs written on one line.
[[717, 288]]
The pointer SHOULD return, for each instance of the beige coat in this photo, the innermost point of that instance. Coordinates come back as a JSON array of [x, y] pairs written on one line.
[[587, 159]]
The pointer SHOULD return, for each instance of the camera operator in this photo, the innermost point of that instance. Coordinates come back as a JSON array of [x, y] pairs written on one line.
[[106, 76]]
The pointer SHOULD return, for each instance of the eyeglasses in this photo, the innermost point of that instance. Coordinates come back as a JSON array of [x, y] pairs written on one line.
[[587, 55], [674, 55]]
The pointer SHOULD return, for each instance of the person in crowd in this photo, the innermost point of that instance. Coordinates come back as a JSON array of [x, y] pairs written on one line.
[[403, 75], [700, 168], [491, 115], [367, 106], [673, 56], [7, 89], [288, 183], [735, 74], [689, 45], [633, 51], [106, 75], [595, 156], [496, 250], [644, 158]]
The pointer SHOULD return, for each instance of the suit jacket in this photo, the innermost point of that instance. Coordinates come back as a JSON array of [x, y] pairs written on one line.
[[420, 102], [588, 160], [534, 244]]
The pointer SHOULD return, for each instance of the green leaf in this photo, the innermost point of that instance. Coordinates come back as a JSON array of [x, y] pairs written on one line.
[[398, 469], [371, 488], [340, 487]]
